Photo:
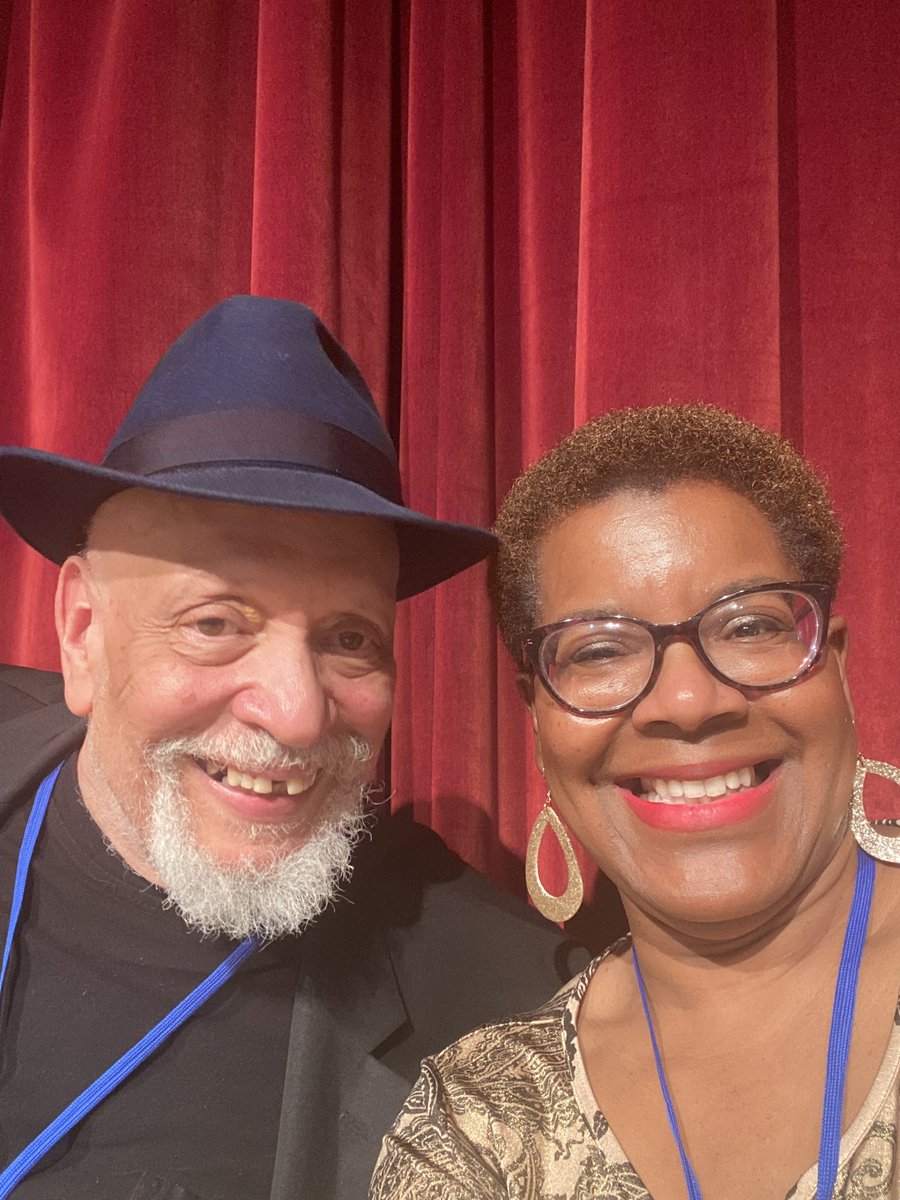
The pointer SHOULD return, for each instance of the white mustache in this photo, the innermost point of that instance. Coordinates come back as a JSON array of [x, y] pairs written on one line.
[[254, 750]]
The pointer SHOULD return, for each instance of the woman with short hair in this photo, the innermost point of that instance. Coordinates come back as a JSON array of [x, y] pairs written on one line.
[[665, 584]]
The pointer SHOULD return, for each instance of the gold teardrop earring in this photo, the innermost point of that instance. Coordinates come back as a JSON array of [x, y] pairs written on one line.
[[887, 849], [566, 905]]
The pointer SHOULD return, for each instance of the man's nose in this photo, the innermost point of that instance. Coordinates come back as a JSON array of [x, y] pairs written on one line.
[[284, 694], [686, 695]]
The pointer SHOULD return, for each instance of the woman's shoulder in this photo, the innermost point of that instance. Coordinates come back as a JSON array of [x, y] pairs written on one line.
[[496, 1103]]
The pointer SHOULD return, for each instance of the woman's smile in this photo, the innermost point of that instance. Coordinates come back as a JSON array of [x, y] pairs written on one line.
[[698, 783], [711, 804]]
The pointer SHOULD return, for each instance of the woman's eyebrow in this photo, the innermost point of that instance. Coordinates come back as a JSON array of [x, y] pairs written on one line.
[[739, 585], [606, 609]]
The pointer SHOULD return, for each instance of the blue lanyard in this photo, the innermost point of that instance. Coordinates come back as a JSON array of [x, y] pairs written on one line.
[[131, 1059], [838, 1039]]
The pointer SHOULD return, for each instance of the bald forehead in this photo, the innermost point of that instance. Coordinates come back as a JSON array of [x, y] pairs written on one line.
[[183, 529]]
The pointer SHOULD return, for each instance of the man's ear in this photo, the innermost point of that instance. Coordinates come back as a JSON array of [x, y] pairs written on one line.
[[77, 631], [839, 646]]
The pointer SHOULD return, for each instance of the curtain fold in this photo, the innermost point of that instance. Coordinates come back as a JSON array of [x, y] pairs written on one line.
[[516, 215]]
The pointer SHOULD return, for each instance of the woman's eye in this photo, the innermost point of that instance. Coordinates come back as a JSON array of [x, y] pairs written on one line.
[[595, 653], [755, 627]]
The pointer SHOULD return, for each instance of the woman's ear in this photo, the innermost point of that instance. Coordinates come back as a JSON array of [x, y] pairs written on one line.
[[839, 646], [525, 686], [538, 748], [77, 630]]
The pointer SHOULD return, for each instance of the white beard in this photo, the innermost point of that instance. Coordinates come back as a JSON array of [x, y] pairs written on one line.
[[286, 891]]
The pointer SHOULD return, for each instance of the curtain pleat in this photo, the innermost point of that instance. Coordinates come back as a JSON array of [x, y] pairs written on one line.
[[848, 156]]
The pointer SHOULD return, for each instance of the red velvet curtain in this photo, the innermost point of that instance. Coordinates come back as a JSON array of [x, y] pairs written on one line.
[[516, 215]]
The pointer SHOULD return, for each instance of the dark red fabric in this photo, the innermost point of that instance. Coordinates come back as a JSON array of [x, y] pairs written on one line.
[[516, 215]]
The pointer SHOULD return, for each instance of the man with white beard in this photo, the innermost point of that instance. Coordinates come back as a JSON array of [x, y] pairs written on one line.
[[198, 1001]]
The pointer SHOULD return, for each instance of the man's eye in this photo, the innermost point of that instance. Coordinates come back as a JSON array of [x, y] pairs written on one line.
[[351, 641], [214, 627]]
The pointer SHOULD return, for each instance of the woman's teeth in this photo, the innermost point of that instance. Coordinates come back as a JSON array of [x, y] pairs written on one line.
[[262, 785], [696, 791]]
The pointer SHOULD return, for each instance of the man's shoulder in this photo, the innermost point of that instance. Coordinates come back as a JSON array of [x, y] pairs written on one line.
[[464, 951], [36, 728], [417, 881], [23, 689]]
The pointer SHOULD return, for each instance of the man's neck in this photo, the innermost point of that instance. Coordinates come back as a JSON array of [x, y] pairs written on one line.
[[107, 814]]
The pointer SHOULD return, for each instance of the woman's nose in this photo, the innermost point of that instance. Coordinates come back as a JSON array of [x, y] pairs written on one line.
[[686, 695]]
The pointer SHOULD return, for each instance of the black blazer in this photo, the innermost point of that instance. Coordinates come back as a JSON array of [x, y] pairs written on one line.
[[421, 950]]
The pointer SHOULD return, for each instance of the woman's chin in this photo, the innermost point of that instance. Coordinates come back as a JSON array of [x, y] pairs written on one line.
[[717, 897]]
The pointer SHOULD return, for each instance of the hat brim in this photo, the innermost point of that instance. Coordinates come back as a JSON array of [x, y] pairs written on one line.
[[49, 501]]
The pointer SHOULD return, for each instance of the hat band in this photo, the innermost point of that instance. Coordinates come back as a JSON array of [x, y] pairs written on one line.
[[257, 435]]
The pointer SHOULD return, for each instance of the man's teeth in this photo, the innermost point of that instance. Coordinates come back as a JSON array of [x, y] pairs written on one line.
[[262, 785], [696, 791]]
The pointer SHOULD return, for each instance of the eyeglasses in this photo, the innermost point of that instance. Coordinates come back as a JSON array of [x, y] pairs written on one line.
[[757, 639]]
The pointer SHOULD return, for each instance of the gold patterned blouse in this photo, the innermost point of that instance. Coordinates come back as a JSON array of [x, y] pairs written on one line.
[[507, 1112]]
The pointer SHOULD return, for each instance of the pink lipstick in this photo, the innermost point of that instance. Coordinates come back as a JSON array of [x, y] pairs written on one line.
[[710, 814]]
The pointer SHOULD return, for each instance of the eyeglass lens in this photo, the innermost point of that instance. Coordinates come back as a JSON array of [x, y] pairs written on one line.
[[761, 639]]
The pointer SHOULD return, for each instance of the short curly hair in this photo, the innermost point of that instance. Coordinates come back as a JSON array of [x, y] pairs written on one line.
[[650, 449]]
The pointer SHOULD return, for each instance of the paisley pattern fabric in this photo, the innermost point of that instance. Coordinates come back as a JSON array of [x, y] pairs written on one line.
[[507, 1113]]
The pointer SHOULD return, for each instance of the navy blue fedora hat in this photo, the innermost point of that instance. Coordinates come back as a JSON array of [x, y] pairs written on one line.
[[257, 403]]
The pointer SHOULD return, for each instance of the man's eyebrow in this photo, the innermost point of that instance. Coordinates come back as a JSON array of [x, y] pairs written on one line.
[[181, 601]]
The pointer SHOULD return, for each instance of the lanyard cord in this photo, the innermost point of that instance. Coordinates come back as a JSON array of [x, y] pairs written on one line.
[[842, 1024], [838, 1039], [132, 1058], [690, 1178], [32, 829]]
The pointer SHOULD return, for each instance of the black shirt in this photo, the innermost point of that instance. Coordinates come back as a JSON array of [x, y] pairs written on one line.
[[97, 962]]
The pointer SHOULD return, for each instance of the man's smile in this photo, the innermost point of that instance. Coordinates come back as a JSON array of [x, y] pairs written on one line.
[[263, 797], [262, 783]]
